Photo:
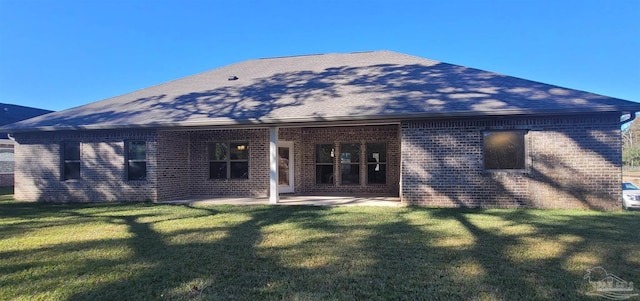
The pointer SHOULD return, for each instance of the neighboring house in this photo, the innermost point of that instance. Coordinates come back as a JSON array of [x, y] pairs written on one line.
[[9, 114], [367, 123]]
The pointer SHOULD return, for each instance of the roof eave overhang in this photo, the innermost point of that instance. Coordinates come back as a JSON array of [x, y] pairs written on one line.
[[326, 121]]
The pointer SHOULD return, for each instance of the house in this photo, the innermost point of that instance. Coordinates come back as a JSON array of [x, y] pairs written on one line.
[[364, 123], [9, 114]]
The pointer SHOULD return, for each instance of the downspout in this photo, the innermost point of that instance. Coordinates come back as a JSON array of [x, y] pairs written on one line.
[[11, 137]]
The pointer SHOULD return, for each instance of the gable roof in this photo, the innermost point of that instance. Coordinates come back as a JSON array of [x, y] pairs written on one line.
[[365, 86]]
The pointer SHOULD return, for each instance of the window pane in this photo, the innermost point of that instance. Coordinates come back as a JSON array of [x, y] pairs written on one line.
[[217, 170], [376, 173], [239, 170], [349, 153], [239, 151], [137, 150], [71, 170], [350, 174], [377, 152], [324, 174], [72, 151], [504, 150], [324, 153], [218, 152], [283, 166], [137, 170]]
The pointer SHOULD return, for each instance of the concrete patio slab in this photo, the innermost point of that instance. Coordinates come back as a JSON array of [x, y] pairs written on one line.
[[306, 200]]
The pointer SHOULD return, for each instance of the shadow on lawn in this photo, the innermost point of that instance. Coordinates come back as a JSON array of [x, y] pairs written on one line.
[[346, 254], [228, 268]]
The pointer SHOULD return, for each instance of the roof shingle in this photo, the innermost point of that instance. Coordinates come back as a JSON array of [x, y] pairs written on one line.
[[329, 87]]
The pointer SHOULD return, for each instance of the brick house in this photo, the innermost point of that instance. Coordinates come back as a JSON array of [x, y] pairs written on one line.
[[367, 123], [9, 114]]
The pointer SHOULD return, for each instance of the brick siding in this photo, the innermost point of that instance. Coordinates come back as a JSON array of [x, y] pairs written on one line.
[[6, 179], [38, 173], [6, 163], [256, 185], [573, 162], [173, 173]]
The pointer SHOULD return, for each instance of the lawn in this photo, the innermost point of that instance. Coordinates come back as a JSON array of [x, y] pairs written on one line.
[[117, 251]]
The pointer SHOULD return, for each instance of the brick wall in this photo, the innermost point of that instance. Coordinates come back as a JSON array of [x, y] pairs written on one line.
[[359, 135], [38, 167], [304, 140], [6, 163], [572, 162], [258, 182], [173, 174], [6, 179]]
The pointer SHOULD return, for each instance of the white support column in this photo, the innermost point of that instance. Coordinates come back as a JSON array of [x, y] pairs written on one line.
[[274, 194]]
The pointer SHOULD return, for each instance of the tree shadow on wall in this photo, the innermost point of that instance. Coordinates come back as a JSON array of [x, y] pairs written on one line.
[[457, 175]]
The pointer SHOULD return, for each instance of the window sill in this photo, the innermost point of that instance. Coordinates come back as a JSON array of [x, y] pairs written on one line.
[[506, 171], [145, 181]]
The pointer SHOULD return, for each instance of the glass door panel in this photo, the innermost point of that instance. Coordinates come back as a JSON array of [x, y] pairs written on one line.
[[285, 167]]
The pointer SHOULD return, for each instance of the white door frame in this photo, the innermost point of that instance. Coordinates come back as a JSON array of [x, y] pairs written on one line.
[[291, 187]]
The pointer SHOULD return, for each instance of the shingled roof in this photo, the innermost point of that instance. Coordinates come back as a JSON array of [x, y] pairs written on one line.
[[361, 86], [12, 113]]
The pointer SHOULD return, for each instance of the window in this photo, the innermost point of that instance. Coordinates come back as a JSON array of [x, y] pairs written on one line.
[[504, 150], [324, 163], [376, 163], [350, 164], [136, 160], [229, 160], [71, 156]]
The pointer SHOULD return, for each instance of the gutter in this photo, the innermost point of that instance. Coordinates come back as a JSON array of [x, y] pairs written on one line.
[[632, 117], [208, 123]]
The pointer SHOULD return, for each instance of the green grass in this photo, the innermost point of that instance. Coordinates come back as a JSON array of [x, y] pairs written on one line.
[[168, 252]]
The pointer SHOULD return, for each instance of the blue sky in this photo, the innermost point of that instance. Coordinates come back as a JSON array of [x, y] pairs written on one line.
[[61, 54]]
